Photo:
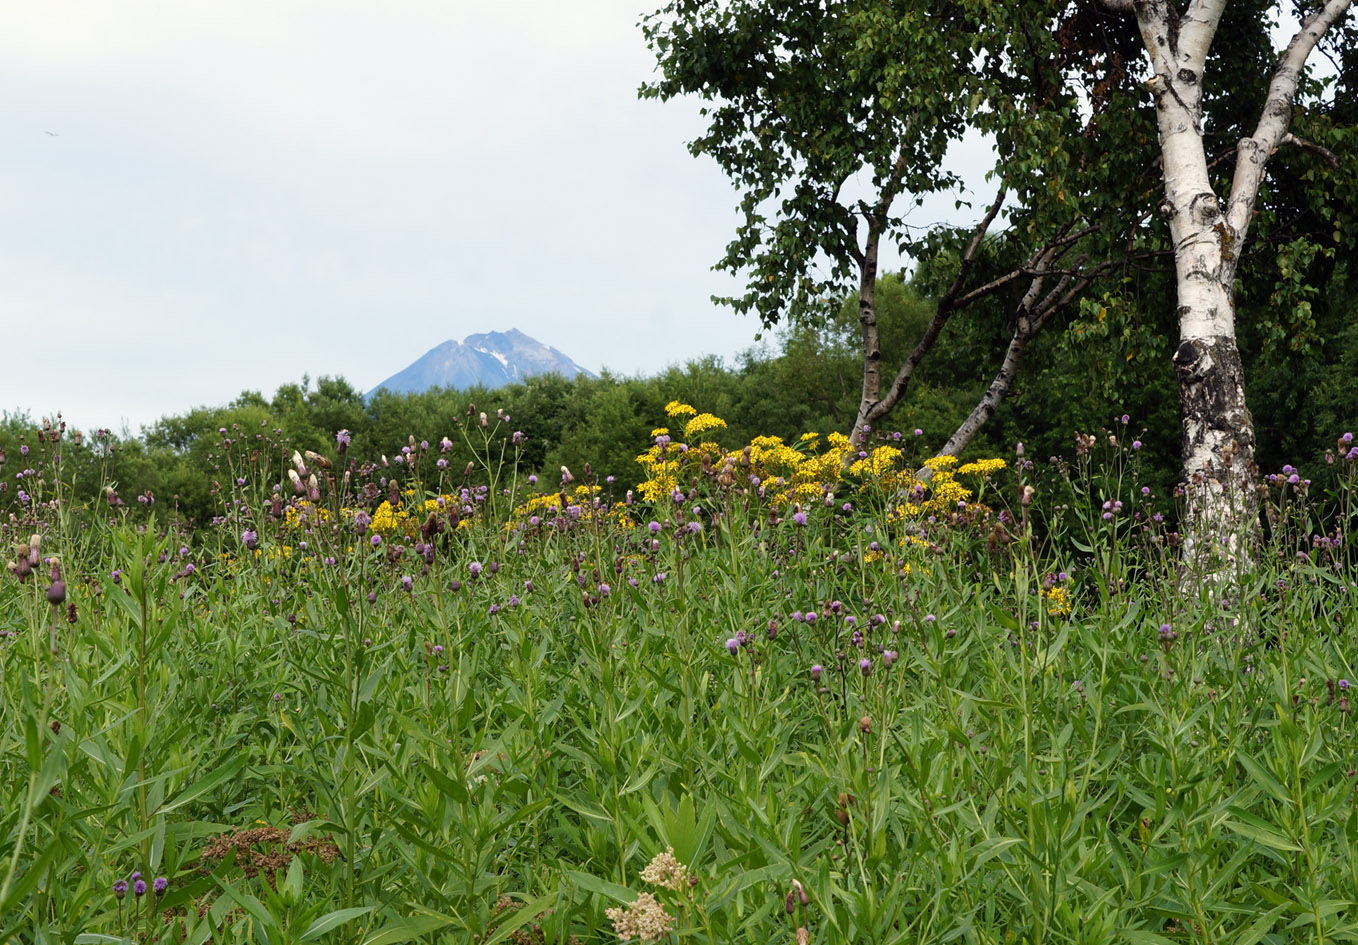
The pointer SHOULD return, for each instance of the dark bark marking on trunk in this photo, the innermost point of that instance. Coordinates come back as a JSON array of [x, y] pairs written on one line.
[[1209, 372]]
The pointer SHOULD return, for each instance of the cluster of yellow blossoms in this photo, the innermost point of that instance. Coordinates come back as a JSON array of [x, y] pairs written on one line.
[[584, 504], [803, 472]]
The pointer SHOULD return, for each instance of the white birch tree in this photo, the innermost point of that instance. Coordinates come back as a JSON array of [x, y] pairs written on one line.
[[1208, 233]]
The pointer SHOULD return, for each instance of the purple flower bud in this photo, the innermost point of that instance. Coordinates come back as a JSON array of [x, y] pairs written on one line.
[[865, 666], [816, 671], [733, 646], [120, 889]]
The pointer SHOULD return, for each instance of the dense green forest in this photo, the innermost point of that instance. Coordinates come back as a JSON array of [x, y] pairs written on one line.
[[1103, 361]]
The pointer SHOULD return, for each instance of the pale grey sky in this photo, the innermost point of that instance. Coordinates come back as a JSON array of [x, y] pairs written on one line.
[[199, 197]]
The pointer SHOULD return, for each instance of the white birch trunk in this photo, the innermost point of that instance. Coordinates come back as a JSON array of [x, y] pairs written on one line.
[[1220, 476]]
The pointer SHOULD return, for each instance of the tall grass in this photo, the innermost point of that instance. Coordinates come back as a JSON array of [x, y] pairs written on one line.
[[481, 717]]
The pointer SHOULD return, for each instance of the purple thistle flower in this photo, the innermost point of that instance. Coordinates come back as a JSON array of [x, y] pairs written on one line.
[[816, 670], [139, 888], [120, 889], [733, 646], [160, 885], [475, 568], [865, 666]]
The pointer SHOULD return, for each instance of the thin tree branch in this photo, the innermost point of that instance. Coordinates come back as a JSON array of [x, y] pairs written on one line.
[[1329, 156]]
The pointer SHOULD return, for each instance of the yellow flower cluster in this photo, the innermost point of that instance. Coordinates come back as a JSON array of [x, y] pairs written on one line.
[[584, 497], [389, 522], [983, 468], [701, 424], [1059, 603], [801, 473], [662, 471], [315, 514], [399, 523]]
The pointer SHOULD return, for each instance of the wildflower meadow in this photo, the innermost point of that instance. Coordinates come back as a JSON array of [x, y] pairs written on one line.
[[767, 691]]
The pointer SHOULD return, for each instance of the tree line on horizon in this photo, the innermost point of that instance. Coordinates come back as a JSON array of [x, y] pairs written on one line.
[[1105, 362]]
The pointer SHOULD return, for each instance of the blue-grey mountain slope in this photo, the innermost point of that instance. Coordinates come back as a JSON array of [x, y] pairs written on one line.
[[490, 359]]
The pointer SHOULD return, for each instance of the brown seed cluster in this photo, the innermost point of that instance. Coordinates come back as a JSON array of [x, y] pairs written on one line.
[[266, 850]]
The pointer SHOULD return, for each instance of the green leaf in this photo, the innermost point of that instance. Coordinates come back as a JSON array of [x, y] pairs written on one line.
[[333, 920], [1260, 831], [449, 787], [1263, 777], [408, 929], [590, 883], [207, 783]]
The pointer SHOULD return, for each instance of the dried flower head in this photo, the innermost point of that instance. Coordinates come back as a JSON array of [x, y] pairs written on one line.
[[645, 919], [666, 872]]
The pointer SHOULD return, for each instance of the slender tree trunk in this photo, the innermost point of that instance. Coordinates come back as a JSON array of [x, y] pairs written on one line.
[[1033, 312], [872, 344], [876, 403], [985, 408]]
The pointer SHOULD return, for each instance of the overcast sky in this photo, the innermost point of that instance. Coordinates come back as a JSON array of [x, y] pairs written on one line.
[[198, 198]]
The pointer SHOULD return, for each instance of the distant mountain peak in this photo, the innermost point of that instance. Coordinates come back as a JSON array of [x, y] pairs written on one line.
[[489, 359]]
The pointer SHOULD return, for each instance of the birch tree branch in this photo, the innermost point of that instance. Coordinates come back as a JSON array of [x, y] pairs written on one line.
[[1326, 154], [1255, 150], [1196, 29]]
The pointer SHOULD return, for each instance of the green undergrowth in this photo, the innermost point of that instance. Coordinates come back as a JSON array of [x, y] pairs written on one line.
[[1003, 726]]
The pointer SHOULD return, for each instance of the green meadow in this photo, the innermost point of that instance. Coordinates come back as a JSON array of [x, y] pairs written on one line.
[[766, 692]]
